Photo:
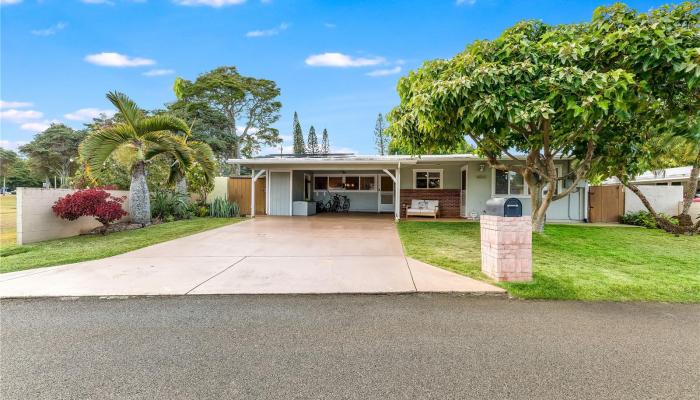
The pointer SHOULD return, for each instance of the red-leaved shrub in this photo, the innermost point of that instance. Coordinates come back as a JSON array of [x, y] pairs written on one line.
[[90, 203]]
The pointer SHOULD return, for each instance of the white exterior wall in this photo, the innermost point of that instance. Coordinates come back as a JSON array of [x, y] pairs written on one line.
[[36, 221], [220, 189], [664, 199]]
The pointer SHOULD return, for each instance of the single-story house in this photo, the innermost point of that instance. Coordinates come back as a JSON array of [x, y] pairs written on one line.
[[461, 183], [676, 176]]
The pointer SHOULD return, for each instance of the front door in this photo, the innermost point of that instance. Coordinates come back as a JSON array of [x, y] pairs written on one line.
[[463, 193], [386, 194]]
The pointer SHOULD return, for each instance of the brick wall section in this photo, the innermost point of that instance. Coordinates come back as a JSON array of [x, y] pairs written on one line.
[[448, 198], [506, 248]]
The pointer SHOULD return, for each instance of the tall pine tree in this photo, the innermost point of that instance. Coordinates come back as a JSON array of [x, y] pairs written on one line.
[[312, 142], [298, 137], [381, 139], [325, 146]]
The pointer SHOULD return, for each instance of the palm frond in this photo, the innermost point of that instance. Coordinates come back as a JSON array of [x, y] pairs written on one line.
[[163, 122], [131, 112], [204, 156], [99, 145], [163, 142]]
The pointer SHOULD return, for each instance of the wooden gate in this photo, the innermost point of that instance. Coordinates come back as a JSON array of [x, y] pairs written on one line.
[[239, 191], [606, 203]]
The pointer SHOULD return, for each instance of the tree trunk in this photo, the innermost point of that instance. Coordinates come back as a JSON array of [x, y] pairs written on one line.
[[181, 185], [139, 198], [237, 154], [539, 202], [689, 190], [662, 221]]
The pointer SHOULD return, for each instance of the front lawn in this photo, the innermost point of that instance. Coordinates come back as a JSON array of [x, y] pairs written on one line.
[[8, 220], [90, 247], [574, 262]]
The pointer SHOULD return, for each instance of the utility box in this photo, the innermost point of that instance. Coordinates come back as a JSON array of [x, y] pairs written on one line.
[[506, 247], [504, 207]]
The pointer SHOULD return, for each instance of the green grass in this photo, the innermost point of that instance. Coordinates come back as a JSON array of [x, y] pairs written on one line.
[[8, 220], [91, 247], [574, 262]]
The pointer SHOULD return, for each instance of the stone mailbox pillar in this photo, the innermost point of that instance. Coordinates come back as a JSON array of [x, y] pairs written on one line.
[[506, 248]]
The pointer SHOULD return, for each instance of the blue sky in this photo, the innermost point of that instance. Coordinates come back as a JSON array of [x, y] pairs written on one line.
[[336, 62]]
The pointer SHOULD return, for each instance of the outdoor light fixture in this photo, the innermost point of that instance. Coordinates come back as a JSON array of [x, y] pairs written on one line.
[[481, 167]]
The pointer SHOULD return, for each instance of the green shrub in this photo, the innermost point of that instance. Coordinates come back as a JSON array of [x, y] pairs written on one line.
[[221, 208], [202, 211], [642, 218], [169, 205]]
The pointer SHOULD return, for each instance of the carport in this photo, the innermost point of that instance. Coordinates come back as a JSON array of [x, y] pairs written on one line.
[[293, 183]]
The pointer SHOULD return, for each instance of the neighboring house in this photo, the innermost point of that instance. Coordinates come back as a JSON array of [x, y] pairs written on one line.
[[663, 177], [462, 183], [662, 188]]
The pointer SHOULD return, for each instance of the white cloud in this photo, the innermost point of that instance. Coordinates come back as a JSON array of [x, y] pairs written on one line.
[[35, 126], [12, 144], [384, 72], [209, 3], [158, 72], [268, 32], [339, 60], [14, 104], [87, 114], [466, 2], [18, 116], [329, 25], [51, 30], [9, 2], [111, 59]]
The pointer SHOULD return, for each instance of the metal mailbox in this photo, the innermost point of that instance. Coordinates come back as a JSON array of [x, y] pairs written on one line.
[[504, 207]]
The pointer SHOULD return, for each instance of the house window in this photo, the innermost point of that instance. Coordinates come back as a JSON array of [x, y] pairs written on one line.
[[368, 183], [352, 183], [346, 182], [387, 184], [335, 183], [427, 179], [508, 183], [321, 183]]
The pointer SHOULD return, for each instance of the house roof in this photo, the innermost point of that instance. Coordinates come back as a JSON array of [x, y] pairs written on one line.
[[663, 175], [356, 159]]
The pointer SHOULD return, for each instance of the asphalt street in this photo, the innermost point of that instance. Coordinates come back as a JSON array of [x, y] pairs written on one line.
[[418, 346]]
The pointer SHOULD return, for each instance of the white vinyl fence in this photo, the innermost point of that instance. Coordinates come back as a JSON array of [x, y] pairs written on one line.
[[36, 221]]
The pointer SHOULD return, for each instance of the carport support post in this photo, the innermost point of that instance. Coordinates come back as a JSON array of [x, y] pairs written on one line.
[[254, 178], [397, 182]]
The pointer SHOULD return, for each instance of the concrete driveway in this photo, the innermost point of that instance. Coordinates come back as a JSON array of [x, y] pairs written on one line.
[[321, 254]]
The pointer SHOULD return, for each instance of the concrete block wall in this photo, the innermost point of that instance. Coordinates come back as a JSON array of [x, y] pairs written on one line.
[[36, 221], [506, 248]]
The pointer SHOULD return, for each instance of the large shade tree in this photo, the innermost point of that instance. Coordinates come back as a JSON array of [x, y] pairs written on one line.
[[662, 49], [250, 105], [53, 153], [146, 137], [532, 91], [593, 92]]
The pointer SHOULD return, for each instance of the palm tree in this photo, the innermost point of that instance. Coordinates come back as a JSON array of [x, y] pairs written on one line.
[[147, 137], [202, 155]]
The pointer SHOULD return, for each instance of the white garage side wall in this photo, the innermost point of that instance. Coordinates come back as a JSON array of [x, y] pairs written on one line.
[[664, 199], [36, 221]]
